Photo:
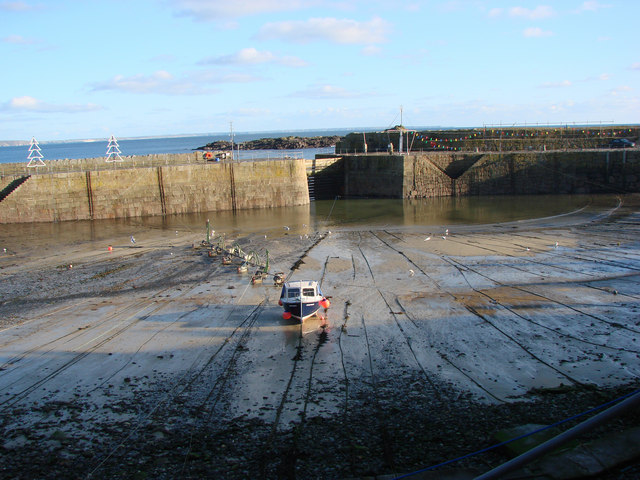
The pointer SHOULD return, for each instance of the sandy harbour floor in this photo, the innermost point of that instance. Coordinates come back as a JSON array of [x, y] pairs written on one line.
[[154, 360]]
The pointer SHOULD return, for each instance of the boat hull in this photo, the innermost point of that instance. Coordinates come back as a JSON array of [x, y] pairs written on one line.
[[302, 311]]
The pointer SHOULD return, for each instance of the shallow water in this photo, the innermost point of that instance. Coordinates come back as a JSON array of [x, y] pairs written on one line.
[[318, 216]]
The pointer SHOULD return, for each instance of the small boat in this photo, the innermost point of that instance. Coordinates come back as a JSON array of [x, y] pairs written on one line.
[[259, 276], [302, 299], [278, 278]]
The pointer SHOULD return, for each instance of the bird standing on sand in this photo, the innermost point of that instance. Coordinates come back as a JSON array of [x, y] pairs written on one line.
[[133, 240], [427, 239]]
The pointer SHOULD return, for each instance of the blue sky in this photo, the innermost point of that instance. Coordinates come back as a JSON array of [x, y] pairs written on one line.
[[74, 69]]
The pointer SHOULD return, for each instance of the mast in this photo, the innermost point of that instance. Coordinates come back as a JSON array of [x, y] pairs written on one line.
[[231, 134], [400, 130]]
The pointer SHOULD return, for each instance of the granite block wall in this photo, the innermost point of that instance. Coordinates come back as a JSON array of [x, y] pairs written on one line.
[[156, 190]]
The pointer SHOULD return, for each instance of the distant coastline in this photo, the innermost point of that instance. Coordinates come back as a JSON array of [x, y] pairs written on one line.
[[16, 151], [278, 143]]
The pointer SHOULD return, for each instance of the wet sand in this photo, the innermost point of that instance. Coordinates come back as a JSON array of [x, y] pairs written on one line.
[[155, 359]]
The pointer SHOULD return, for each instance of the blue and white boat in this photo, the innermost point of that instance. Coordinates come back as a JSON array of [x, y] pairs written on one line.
[[302, 299]]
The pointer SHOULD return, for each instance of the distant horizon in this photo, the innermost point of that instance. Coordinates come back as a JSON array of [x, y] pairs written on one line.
[[19, 142]]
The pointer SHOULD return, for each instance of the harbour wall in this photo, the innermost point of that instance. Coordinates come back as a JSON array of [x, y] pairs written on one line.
[[118, 191], [436, 174], [147, 187], [487, 139]]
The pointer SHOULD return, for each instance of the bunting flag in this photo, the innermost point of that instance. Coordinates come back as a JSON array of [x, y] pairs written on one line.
[[499, 134]]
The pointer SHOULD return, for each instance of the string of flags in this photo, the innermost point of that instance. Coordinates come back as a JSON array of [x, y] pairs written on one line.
[[445, 142]]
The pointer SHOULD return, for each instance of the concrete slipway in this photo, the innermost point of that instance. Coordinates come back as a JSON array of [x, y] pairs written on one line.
[[155, 347]]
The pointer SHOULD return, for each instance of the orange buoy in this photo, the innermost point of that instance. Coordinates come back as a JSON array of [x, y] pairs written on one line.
[[286, 315], [280, 302], [324, 303], [110, 248]]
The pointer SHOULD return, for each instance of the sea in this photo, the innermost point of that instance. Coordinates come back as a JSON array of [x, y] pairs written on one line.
[[96, 148]]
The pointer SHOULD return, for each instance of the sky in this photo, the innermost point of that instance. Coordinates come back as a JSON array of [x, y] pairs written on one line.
[[76, 69]]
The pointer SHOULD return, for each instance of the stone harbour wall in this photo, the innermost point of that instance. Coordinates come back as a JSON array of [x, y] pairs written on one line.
[[155, 190], [437, 174], [373, 176], [610, 171], [173, 188]]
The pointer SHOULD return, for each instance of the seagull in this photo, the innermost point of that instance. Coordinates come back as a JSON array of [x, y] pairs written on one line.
[[446, 232], [411, 273], [556, 244], [133, 240], [527, 249], [286, 228], [427, 239], [444, 238]]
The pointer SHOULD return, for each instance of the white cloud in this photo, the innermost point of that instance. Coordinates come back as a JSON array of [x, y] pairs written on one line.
[[495, 12], [19, 40], [24, 103], [635, 66], [164, 58], [540, 12], [252, 56], [325, 91], [16, 6], [564, 83], [591, 6], [341, 31], [620, 90], [452, 6], [533, 32], [208, 10], [163, 83], [32, 104], [371, 50], [159, 82], [562, 107]]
